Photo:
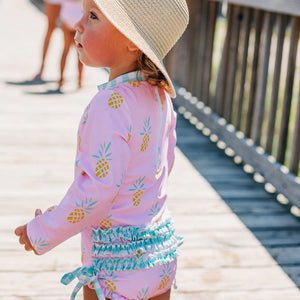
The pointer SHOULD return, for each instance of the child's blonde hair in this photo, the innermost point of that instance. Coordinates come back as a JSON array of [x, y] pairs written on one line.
[[151, 73]]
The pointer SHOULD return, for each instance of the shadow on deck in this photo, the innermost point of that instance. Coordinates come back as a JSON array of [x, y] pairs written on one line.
[[271, 222]]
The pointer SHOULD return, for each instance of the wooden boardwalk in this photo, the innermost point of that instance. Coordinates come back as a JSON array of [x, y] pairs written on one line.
[[228, 242]]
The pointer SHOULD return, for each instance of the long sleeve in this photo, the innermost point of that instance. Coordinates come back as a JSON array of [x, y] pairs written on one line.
[[101, 162], [172, 140]]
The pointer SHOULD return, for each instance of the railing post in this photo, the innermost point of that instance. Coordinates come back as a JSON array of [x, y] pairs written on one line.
[[282, 24], [295, 155], [258, 26], [260, 94], [246, 26], [232, 59], [284, 129]]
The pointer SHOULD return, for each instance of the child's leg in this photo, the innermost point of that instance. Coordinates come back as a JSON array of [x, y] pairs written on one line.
[[68, 41], [90, 294], [164, 296]]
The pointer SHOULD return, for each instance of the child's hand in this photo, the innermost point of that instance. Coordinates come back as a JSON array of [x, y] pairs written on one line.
[[21, 231]]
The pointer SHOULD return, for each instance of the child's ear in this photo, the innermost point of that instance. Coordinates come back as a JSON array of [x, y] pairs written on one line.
[[132, 47]]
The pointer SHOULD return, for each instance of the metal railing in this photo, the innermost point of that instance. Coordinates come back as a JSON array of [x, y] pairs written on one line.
[[239, 65]]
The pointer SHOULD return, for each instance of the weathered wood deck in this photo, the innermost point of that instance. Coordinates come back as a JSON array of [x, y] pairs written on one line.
[[230, 224]]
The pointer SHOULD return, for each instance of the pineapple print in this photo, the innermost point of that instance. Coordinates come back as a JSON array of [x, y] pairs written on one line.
[[158, 170], [158, 173], [134, 83], [115, 101], [82, 209], [146, 133], [118, 186], [38, 244], [139, 253], [79, 143], [83, 252], [154, 211], [110, 282], [139, 189], [165, 277], [106, 223], [51, 208], [161, 102], [86, 114], [115, 197], [143, 294], [102, 166], [129, 135]]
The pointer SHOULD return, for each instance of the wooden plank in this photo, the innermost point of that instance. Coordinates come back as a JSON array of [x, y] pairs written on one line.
[[37, 286], [255, 207], [264, 222], [277, 238], [293, 272], [290, 7], [280, 294], [287, 255], [231, 279]]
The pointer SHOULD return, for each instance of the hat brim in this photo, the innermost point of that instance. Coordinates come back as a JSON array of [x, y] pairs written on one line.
[[116, 15]]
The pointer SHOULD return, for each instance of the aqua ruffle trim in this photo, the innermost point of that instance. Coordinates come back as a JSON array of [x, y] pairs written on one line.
[[144, 261], [129, 248], [132, 233]]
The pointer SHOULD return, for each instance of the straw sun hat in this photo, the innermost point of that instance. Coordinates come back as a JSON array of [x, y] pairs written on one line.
[[154, 26]]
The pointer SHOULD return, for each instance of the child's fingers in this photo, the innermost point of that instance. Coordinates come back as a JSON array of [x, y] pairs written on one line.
[[19, 230], [38, 212], [28, 247]]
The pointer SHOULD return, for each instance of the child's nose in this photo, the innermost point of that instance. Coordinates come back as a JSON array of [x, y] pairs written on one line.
[[79, 27]]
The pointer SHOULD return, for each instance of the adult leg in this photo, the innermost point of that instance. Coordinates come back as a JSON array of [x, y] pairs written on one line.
[[68, 40], [52, 12]]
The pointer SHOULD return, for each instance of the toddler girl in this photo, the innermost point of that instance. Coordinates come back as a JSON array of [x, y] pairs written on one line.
[[126, 142]]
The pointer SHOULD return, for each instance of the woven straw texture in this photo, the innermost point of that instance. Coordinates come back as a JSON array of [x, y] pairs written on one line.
[[154, 26]]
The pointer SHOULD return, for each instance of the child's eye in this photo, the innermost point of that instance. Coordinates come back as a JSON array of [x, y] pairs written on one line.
[[93, 16]]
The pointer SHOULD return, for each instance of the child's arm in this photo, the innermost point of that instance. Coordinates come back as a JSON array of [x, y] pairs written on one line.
[[102, 160]]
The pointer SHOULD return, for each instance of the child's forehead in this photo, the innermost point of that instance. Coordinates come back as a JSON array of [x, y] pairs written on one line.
[[90, 4]]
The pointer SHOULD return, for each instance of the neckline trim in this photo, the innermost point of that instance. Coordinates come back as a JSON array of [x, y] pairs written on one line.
[[131, 76]]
